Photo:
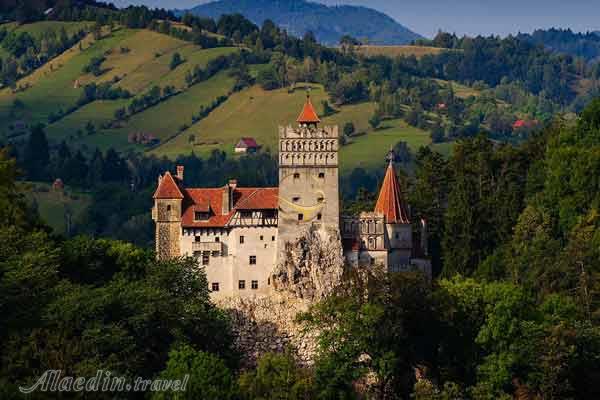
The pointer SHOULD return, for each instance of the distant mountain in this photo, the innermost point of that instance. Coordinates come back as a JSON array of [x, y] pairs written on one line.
[[328, 24], [585, 45]]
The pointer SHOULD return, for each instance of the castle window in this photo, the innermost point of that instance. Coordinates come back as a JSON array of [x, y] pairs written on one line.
[[205, 258], [295, 199], [296, 175], [252, 260], [322, 175], [300, 217], [254, 285], [241, 240], [169, 208], [262, 238], [197, 239], [319, 216], [242, 285], [397, 236], [217, 239], [201, 216], [215, 286], [320, 199], [272, 238]]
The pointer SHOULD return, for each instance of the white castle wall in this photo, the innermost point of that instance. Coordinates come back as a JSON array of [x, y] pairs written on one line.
[[233, 262]]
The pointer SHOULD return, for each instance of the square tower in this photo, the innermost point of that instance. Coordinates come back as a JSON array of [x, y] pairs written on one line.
[[308, 177]]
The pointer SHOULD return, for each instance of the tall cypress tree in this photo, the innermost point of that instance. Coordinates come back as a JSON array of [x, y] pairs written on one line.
[[36, 155]]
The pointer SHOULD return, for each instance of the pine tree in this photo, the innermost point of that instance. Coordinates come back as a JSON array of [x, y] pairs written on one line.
[[36, 155]]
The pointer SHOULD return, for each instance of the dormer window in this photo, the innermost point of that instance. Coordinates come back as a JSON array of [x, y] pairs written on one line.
[[201, 216]]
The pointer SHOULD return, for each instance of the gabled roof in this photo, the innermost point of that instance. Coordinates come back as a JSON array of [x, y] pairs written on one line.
[[168, 189], [211, 200], [308, 114], [247, 142], [390, 202]]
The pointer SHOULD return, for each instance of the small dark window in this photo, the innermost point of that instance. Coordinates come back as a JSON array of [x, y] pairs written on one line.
[[319, 216], [201, 216], [246, 214], [242, 285], [397, 236], [322, 175], [252, 260], [300, 217], [241, 240], [295, 199], [205, 258], [168, 208], [320, 199], [215, 286], [296, 175], [254, 285], [197, 238], [272, 238], [217, 239]]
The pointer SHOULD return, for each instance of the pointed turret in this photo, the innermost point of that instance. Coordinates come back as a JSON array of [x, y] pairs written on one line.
[[308, 116], [390, 202], [167, 188]]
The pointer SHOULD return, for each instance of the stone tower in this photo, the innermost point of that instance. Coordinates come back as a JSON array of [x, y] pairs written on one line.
[[166, 213], [308, 177]]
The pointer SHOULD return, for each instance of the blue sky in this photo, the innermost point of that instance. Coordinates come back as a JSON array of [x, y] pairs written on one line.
[[463, 16]]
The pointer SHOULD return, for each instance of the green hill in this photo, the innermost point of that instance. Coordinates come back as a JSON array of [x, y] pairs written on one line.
[[137, 60]]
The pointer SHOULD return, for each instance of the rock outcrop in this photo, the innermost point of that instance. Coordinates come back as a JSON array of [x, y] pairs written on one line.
[[311, 267], [310, 270]]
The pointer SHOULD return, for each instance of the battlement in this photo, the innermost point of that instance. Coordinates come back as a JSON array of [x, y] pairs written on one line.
[[308, 146], [308, 132]]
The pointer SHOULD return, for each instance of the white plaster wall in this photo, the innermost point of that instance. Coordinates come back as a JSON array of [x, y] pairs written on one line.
[[234, 264]]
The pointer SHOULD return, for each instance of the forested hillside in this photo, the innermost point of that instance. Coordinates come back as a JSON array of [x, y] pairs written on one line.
[[328, 24], [513, 312], [584, 45]]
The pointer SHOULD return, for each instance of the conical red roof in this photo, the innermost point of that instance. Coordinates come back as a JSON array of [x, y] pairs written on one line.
[[167, 188], [308, 114], [390, 201]]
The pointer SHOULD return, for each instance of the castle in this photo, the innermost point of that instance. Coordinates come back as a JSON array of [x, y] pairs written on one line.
[[239, 234]]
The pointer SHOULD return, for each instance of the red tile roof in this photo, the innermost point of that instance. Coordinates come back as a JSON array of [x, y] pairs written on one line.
[[308, 114], [211, 200], [168, 189], [390, 202], [247, 142]]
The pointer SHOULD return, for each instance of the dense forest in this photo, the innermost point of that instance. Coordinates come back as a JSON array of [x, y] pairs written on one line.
[[514, 311]]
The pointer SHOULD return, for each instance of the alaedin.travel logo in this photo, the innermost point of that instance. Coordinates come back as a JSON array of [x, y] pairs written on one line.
[[103, 381]]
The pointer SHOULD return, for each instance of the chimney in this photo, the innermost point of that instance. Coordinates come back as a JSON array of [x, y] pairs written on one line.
[[180, 169], [228, 192]]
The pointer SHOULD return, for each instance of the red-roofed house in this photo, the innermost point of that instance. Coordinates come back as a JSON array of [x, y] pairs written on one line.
[[246, 145]]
